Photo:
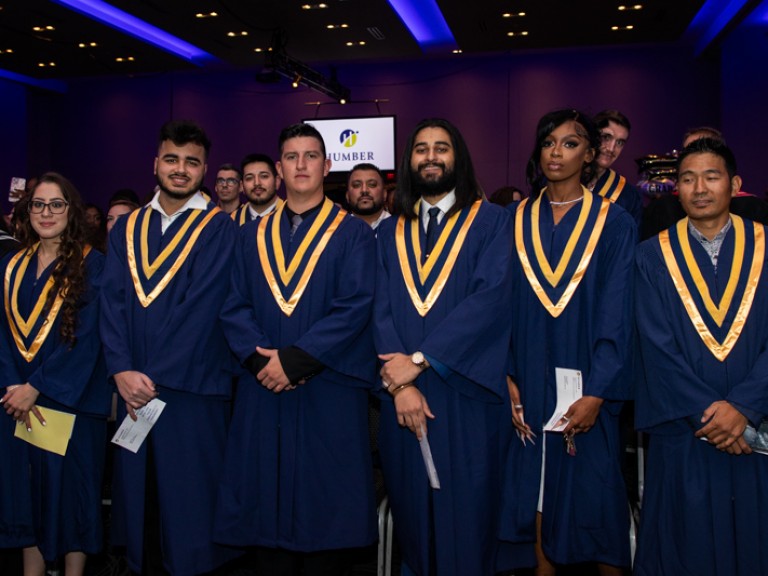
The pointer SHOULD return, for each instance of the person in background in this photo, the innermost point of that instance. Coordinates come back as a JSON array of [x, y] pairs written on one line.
[[50, 503], [228, 180], [366, 195], [260, 184]]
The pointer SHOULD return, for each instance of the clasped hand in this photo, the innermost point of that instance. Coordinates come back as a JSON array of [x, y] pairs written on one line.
[[19, 401]]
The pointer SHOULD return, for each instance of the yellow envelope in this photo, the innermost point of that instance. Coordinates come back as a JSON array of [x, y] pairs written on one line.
[[54, 436]]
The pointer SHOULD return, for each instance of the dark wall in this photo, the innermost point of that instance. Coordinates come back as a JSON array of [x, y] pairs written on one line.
[[102, 133], [13, 119]]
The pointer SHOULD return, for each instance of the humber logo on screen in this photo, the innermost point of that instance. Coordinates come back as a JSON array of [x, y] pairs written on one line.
[[348, 139]]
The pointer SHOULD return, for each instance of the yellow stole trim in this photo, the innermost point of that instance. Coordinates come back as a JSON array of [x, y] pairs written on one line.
[[717, 313], [287, 273], [612, 177], [148, 268], [423, 272], [240, 216], [554, 277], [21, 328]]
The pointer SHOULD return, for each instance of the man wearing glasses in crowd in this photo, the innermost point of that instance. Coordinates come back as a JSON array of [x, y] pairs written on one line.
[[228, 187]]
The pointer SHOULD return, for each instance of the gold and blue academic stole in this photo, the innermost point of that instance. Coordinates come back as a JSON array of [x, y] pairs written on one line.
[[555, 288], [425, 282], [613, 187], [711, 320], [241, 215], [288, 280], [30, 333], [151, 278]]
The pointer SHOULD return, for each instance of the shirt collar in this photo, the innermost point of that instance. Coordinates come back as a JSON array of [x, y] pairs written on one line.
[[195, 202], [445, 204], [269, 210]]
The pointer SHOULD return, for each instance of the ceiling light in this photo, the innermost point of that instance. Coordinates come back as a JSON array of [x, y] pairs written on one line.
[[241, 33], [7, 51], [522, 33], [629, 27], [337, 26], [125, 59], [314, 6], [513, 14], [457, 51], [356, 43], [208, 15], [43, 28], [87, 45], [296, 81], [633, 7], [258, 49], [46, 64]]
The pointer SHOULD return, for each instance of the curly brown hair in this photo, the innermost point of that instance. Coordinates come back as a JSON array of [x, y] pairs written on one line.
[[69, 275]]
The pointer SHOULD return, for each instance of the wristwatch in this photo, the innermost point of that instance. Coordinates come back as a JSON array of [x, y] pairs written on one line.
[[418, 359]]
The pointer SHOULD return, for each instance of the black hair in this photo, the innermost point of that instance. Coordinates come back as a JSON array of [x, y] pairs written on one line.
[[251, 158], [710, 146], [182, 132], [467, 187], [601, 119], [298, 131], [367, 166], [546, 126], [230, 166]]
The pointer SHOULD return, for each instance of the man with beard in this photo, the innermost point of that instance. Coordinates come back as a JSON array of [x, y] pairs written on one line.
[[366, 195], [298, 479], [228, 188], [614, 133], [442, 328], [260, 184], [167, 270]]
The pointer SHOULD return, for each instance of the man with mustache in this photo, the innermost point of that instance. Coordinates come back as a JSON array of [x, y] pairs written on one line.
[[260, 184], [614, 133], [366, 195], [166, 273], [442, 329]]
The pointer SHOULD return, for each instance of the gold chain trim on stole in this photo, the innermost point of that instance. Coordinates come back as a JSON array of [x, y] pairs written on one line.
[[718, 350], [554, 277], [423, 272], [150, 269], [612, 176], [12, 304], [287, 274]]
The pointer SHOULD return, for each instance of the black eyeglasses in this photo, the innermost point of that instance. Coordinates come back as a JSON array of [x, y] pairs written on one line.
[[227, 181], [55, 206]]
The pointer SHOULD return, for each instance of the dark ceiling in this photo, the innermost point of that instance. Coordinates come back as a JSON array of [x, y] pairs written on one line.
[[478, 26]]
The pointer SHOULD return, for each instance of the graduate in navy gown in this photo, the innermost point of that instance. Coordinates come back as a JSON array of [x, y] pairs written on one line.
[[52, 360], [260, 184], [614, 130], [702, 317], [441, 331], [571, 311], [166, 277], [298, 481]]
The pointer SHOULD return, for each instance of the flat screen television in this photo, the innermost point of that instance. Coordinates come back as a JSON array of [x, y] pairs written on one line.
[[350, 141]]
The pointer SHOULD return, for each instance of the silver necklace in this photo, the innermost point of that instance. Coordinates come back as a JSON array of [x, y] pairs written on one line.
[[565, 203]]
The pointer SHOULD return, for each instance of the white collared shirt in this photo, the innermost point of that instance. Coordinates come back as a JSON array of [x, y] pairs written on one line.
[[195, 202], [383, 216], [254, 214], [445, 204]]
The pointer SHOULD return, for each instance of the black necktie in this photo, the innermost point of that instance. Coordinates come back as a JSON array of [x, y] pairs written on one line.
[[431, 230]]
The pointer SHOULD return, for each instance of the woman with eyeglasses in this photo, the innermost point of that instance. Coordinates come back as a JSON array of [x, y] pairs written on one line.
[[51, 366]]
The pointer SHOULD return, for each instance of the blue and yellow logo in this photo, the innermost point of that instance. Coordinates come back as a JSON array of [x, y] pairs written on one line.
[[348, 138]]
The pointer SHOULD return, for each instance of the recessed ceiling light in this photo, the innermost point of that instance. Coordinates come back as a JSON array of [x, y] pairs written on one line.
[[258, 49], [46, 64], [457, 51], [7, 50], [43, 28], [87, 45], [629, 27], [513, 14], [337, 26], [206, 15], [125, 59], [633, 7], [523, 33], [314, 6], [357, 43], [234, 34]]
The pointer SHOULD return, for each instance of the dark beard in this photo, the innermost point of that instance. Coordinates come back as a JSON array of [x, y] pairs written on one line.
[[263, 201], [429, 188], [178, 195], [372, 209]]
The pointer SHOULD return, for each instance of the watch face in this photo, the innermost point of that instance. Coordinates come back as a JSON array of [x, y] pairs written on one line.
[[417, 358]]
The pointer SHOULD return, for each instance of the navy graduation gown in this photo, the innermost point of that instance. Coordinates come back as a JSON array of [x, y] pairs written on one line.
[[585, 510], [703, 510], [466, 331], [54, 502], [178, 342], [623, 193], [298, 471]]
